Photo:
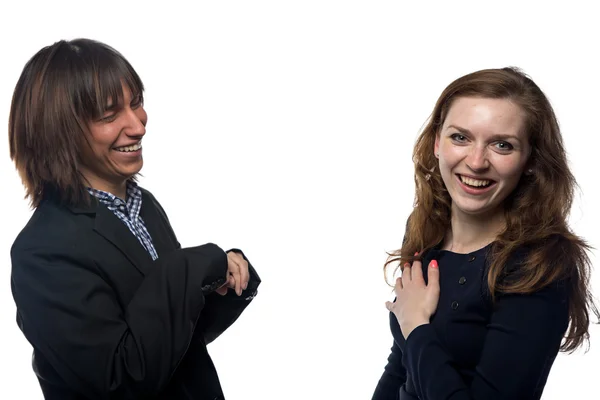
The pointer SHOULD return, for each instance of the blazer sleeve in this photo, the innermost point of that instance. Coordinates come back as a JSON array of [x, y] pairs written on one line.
[[523, 339], [70, 314], [220, 312]]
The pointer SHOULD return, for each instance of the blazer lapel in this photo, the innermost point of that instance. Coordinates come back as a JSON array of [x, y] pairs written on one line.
[[158, 226], [115, 231]]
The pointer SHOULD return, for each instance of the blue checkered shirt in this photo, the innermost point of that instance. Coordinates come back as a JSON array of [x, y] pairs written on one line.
[[128, 212]]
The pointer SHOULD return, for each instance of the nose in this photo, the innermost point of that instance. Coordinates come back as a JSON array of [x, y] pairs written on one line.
[[136, 122], [477, 159]]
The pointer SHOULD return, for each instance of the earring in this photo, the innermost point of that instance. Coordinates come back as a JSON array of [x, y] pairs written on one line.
[[437, 155]]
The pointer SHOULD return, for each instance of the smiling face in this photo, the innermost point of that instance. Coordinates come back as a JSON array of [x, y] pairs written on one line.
[[115, 152], [482, 150]]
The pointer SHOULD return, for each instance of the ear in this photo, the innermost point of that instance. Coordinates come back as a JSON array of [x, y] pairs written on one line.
[[529, 164], [436, 146], [528, 170]]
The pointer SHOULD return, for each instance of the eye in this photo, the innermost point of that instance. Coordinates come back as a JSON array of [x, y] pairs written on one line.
[[457, 137], [108, 117], [504, 146]]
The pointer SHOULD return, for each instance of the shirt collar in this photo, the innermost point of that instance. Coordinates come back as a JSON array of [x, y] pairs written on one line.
[[133, 200]]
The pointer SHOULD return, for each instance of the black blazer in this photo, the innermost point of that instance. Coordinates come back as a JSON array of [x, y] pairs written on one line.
[[105, 320]]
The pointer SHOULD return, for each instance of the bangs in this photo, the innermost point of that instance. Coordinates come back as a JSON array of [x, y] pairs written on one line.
[[107, 91], [98, 74]]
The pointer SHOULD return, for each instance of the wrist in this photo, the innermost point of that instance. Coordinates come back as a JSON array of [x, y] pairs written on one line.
[[408, 327]]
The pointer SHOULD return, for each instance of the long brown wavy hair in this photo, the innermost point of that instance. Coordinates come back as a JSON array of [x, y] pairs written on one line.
[[536, 211]]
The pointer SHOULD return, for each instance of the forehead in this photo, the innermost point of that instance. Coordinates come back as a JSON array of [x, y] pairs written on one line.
[[486, 116], [120, 95]]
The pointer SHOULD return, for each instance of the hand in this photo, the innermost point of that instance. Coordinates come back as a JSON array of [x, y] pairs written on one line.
[[237, 274], [415, 301]]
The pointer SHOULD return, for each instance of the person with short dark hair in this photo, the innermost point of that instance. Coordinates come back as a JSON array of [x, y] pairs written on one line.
[[112, 305], [493, 279]]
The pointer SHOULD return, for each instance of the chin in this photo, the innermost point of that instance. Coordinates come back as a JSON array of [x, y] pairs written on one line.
[[476, 210], [131, 173], [135, 169]]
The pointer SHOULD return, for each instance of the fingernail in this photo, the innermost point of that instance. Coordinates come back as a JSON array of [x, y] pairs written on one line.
[[416, 254], [245, 285], [433, 264], [406, 265]]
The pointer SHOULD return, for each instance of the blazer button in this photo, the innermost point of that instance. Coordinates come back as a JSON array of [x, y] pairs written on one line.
[[472, 258], [454, 305], [462, 280]]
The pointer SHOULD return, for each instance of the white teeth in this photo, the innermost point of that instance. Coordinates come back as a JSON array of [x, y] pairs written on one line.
[[473, 182], [126, 149]]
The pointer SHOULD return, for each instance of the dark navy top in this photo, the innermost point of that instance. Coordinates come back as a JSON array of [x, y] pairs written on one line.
[[473, 349]]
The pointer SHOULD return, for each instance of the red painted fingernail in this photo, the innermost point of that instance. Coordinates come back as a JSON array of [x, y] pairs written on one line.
[[433, 264]]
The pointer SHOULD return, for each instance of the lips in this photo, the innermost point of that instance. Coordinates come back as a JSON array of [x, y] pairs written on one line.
[[475, 182], [130, 148]]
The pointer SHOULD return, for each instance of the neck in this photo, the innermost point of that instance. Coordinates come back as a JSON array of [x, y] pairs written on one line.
[[473, 232], [118, 189]]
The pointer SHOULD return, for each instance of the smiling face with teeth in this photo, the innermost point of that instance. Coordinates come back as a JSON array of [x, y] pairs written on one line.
[[115, 151], [482, 150]]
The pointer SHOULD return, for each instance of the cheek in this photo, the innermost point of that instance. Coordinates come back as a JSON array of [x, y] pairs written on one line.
[[510, 169], [98, 145], [450, 156], [104, 139]]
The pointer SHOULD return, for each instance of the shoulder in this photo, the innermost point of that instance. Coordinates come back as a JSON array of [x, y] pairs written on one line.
[[148, 199], [556, 249], [553, 248], [147, 194], [539, 266], [52, 228]]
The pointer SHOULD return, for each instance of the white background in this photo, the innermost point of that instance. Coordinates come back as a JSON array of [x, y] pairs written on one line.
[[286, 129]]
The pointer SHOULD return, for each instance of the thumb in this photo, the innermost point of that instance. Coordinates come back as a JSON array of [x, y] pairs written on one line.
[[222, 290], [389, 305], [433, 274]]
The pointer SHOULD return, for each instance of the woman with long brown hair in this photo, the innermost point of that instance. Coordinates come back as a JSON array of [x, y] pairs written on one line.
[[494, 282]]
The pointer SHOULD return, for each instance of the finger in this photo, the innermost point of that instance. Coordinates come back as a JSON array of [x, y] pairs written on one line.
[[406, 273], [235, 271], [245, 274], [399, 285], [433, 275], [417, 271]]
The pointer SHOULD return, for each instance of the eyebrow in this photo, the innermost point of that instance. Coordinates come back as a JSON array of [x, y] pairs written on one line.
[[499, 136]]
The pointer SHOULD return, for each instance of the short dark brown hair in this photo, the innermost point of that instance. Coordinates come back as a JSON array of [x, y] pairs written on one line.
[[61, 89]]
